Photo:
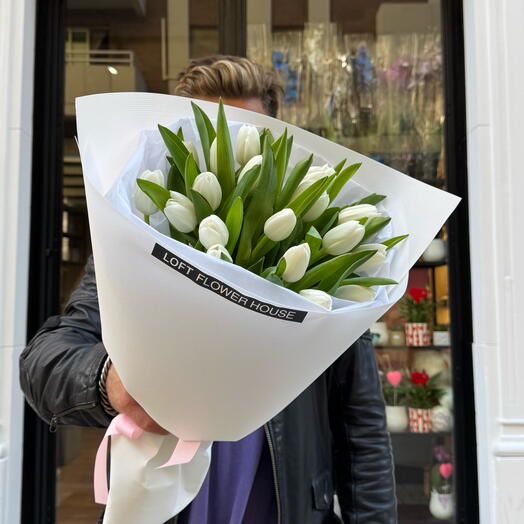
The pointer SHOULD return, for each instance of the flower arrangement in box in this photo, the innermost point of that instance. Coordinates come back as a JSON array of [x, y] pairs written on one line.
[[417, 307], [394, 390], [423, 394]]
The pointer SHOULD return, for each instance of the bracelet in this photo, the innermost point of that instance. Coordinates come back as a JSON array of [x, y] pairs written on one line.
[[104, 399]]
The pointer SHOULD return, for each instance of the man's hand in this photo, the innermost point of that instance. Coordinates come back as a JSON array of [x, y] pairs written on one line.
[[123, 402]]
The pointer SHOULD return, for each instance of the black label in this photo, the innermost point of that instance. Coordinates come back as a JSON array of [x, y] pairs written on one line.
[[224, 290]]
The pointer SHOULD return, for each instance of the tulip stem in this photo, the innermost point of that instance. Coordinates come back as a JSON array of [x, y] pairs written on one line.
[[319, 255], [146, 219]]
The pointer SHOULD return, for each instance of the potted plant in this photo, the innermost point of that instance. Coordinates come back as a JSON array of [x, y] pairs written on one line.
[[417, 307], [423, 394], [441, 335], [396, 335], [395, 399], [441, 499]]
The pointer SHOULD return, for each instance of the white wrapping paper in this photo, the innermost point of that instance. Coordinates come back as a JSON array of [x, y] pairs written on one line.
[[186, 331]]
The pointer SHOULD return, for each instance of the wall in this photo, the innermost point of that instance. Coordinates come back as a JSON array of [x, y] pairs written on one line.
[[494, 40], [17, 20]]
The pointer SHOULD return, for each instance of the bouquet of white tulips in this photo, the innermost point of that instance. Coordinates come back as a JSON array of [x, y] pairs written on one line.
[[270, 218], [236, 259]]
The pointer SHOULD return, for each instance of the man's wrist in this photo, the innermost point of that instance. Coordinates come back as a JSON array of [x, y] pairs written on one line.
[[104, 399]]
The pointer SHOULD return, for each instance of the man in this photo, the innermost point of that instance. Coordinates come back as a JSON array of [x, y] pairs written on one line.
[[331, 438]]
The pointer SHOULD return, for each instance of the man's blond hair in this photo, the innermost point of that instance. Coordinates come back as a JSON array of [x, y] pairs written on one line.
[[230, 77]]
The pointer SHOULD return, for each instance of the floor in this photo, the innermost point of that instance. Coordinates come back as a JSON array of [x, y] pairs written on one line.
[[75, 502]]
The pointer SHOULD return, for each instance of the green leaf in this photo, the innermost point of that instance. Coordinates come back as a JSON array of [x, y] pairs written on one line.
[[375, 224], [394, 241], [268, 271], [156, 193], [339, 166], [281, 267], [202, 207], [324, 222], [368, 281], [321, 271], [176, 148], [190, 173], [292, 182], [234, 220], [273, 277], [260, 206], [332, 281], [341, 180], [241, 190], [280, 159], [175, 180], [205, 130], [225, 159], [257, 267], [372, 199], [301, 204], [263, 246], [181, 237], [180, 133], [314, 239], [288, 149], [266, 133], [170, 160]]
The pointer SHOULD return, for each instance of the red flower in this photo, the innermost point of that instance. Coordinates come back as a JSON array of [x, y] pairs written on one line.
[[418, 293], [419, 379]]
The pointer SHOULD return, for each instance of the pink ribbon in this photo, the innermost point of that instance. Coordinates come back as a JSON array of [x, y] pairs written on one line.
[[122, 425]]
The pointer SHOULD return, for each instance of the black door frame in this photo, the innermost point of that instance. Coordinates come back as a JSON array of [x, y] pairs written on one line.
[[38, 490], [38, 483]]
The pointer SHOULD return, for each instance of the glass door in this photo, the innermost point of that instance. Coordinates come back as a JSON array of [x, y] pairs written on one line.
[[112, 46], [370, 75]]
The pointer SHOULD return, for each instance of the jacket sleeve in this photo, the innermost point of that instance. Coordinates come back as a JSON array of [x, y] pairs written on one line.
[[60, 367], [363, 460]]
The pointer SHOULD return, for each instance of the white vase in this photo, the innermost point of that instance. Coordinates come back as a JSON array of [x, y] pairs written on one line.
[[441, 338], [441, 418], [397, 418], [380, 334], [435, 252], [441, 505]]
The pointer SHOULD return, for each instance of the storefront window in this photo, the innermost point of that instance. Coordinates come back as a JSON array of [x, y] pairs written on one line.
[[369, 75]]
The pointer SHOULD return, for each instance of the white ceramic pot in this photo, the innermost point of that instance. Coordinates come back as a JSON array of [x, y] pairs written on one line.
[[441, 338], [380, 334], [441, 418], [435, 252], [397, 418], [397, 338], [441, 505]]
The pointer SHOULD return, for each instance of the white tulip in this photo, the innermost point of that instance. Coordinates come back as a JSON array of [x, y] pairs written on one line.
[[318, 297], [376, 260], [219, 251], [356, 293], [254, 161], [142, 202], [212, 231], [213, 156], [317, 208], [208, 186], [315, 173], [248, 144], [297, 261], [180, 212], [357, 212], [280, 225], [191, 148], [301, 188], [343, 238]]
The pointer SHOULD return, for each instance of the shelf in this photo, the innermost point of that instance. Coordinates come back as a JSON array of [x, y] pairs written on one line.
[[423, 264], [403, 434], [418, 348]]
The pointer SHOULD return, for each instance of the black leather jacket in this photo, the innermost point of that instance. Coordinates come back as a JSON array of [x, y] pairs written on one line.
[[331, 438]]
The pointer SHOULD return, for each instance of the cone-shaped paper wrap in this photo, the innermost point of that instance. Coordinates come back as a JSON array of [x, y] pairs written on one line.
[[210, 350]]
